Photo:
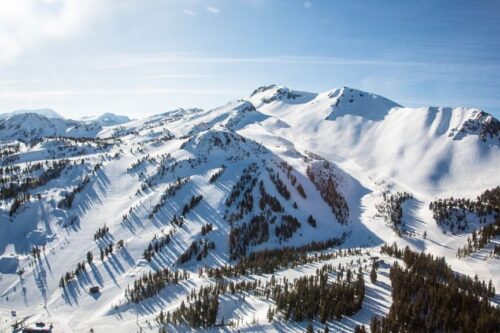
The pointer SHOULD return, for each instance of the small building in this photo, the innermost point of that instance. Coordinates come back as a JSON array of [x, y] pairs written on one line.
[[40, 327], [94, 290], [37, 330]]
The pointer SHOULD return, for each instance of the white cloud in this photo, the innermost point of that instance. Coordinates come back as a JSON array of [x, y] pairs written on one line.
[[189, 12], [213, 10], [26, 24]]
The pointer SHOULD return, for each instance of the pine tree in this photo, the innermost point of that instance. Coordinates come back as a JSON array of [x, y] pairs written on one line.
[[90, 257], [270, 314], [373, 274]]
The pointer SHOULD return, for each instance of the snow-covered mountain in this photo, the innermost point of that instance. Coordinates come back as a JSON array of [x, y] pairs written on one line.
[[86, 204], [49, 113], [107, 119], [28, 127]]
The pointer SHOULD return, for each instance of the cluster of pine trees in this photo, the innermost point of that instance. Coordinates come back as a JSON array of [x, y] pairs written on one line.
[[178, 221], [280, 185], [312, 297], [152, 283], [200, 313], [201, 309], [244, 206], [217, 174], [268, 261], [17, 188], [14, 171], [20, 200], [268, 200], [14, 185], [428, 296], [67, 201], [308, 297], [101, 233], [162, 169], [322, 176], [288, 170], [452, 212], [70, 276], [195, 200], [66, 149], [35, 252], [480, 239], [141, 160], [288, 227], [106, 251], [163, 138], [156, 245], [422, 261], [205, 229], [247, 180], [169, 192], [392, 211], [98, 143], [11, 149], [197, 248], [255, 232]]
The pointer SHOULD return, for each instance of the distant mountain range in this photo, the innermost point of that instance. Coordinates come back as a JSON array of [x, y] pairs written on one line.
[[39, 123], [49, 113]]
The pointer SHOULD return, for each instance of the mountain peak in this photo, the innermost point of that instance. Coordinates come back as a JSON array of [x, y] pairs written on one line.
[[108, 119], [350, 101], [48, 113], [479, 123], [274, 93]]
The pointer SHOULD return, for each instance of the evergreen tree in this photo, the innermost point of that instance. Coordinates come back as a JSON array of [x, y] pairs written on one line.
[[90, 257], [373, 274]]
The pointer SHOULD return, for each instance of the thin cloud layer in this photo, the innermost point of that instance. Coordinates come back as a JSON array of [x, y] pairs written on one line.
[[213, 10], [189, 12]]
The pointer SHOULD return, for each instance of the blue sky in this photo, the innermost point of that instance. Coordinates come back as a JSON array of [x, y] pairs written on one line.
[[141, 57]]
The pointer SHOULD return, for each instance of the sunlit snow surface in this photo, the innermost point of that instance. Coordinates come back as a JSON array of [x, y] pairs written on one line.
[[373, 144]]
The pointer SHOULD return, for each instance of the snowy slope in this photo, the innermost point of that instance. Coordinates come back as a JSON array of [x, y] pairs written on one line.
[[432, 150], [251, 160]]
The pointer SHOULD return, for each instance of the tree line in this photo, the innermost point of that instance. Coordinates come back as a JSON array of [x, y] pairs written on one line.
[[452, 212], [429, 297], [152, 283]]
